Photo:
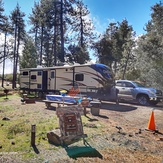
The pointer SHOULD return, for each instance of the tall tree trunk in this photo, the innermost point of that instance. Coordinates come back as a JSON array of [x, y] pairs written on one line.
[[54, 47], [125, 67], [42, 30], [55, 37], [36, 43], [115, 68], [17, 56], [81, 32], [15, 37], [4, 58], [62, 33]]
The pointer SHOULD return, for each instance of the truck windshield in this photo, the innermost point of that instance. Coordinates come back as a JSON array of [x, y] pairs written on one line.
[[138, 84]]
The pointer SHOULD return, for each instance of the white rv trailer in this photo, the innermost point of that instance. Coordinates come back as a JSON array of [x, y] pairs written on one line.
[[90, 78]]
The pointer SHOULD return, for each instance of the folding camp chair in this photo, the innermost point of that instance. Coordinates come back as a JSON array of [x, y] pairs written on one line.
[[73, 92]]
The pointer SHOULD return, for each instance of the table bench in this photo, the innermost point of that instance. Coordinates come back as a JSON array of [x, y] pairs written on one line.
[[49, 102]]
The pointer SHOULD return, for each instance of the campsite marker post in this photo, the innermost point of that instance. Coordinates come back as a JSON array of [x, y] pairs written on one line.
[[33, 133]]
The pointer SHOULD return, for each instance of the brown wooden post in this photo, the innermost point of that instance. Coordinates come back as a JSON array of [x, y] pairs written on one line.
[[33, 134], [85, 103], [85, 112]]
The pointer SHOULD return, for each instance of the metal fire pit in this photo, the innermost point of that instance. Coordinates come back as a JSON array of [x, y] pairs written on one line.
[[6, 92]]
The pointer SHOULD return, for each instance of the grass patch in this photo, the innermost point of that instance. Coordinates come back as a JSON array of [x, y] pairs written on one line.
[[15, 133], [9, 97]]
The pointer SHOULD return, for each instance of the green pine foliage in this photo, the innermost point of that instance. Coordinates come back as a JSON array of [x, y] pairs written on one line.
[[150, 49], [29, 55], [61, 31]]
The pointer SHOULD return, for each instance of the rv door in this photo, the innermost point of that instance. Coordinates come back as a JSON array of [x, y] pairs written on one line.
[[51, 80], [44, 80]]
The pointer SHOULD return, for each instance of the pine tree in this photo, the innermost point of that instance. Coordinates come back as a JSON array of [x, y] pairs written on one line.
[[127, 38], [150, 49], [82, 26], [34, 21], [3, 20], [77, 54], [19, 33], [29, 55], [50, 20]]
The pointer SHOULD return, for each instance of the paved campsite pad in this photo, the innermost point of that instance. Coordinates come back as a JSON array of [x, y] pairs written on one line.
[[122, 138]]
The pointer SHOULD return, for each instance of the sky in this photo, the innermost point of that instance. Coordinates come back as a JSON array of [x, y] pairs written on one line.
[[136, 12], [102, 12]]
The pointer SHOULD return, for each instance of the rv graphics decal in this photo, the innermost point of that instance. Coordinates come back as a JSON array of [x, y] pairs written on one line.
[[103, 70]]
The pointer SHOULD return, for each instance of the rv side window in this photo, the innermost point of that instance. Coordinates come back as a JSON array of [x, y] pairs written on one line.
[[39, 86], [39, 73], [25, 73], [33, 76], [79, 77], [52, 74]]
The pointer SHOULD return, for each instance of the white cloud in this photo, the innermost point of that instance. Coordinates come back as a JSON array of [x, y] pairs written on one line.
[[8, 62], [101, 27], [111, 21], [8, 67]]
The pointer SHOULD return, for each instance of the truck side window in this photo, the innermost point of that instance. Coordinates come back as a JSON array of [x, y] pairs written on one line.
[[128, 84], [123, 85], [79, 77], [119, 84]]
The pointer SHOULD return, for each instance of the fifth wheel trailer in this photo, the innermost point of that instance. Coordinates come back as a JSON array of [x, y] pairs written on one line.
[[92, 79]]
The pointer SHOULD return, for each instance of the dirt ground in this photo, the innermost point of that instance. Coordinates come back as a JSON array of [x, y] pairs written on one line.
[[124, 138]]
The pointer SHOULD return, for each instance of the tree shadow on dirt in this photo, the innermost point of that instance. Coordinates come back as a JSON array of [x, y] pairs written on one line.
[[51, 108], [91, 119], [103, 116], [82, 151], [156, 132], [159, 106], [117, 107]]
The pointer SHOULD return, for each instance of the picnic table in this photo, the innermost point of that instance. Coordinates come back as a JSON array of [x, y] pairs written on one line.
[[76, 100]]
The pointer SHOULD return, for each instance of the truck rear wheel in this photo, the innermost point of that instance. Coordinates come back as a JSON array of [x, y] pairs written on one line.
[[143, 99]]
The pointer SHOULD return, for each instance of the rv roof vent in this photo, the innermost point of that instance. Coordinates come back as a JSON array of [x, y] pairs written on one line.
[[39, 66], [76, 63], [67, 65]]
